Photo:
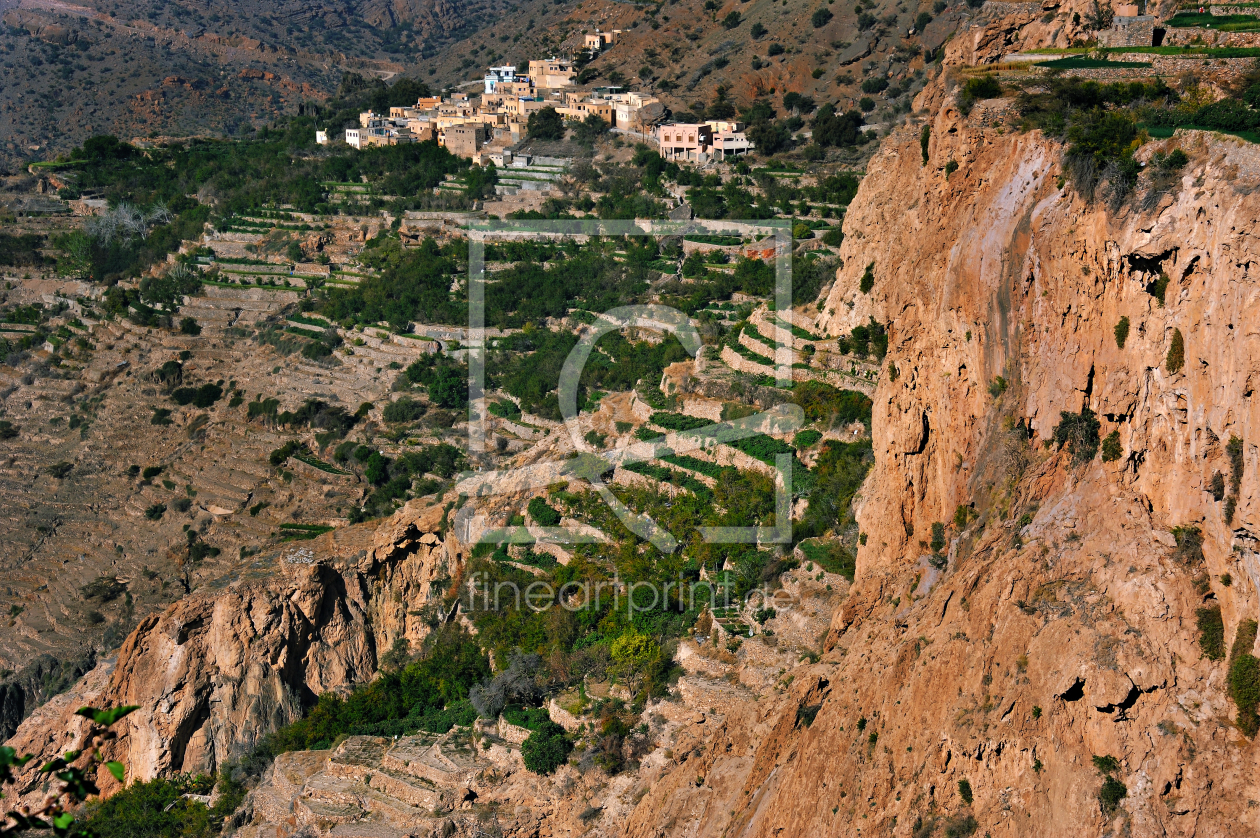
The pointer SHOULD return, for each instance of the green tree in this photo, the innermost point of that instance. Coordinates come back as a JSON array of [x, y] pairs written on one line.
[[546, 749], [632, 652], [545, 124]]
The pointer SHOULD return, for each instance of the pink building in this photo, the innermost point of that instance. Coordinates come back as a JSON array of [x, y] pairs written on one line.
[[684, 141]]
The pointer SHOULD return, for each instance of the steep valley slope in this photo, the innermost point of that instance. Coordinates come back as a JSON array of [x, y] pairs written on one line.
[[1063, 626], [1056, 654]]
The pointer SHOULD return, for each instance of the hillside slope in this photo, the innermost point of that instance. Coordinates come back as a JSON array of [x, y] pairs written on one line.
[[1064, 627]]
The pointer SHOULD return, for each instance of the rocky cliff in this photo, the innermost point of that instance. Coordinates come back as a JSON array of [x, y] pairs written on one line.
[[233, 661], [1063, 627]]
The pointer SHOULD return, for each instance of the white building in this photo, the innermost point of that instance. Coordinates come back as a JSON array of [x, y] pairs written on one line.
[[321, 138], [497, 75]]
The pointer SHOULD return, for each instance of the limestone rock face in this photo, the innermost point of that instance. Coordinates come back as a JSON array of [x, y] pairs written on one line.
[[226, 665], [1064, 626]]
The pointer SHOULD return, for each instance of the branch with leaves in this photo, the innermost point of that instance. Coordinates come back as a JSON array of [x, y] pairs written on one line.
[[75, 770]]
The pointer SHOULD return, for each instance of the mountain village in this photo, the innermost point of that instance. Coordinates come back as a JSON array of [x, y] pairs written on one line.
[[486, 129]]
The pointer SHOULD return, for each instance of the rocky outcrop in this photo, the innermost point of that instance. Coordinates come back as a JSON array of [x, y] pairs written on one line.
[[42, 678], [1063, 627], [226, 665]]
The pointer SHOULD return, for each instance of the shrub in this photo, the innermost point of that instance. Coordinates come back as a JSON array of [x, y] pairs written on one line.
[[964, 790], [1158, 288], [922, 20], [1079, 433], [161, 416], [1234, 449], [1211, 632], [868, 279], [284, 452], [774, 49], [8, 430], [1110, 795], [1176, 353], [1217, 486], [950, 167], [820, 18], [1189, 544], [543, 513], [1112, 450], [961, 826], [204, 396], [1122, 332], [1244, 677], [834, 237], [60, 470], [938, 538], [546, 749], [732, 20], [189, 326], [403, 410], [982, 87], [757, 30], [961, 516], [925, 137], [875, 84], [997, 386], [155, 512]]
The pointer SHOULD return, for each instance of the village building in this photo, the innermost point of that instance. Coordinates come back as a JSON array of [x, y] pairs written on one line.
[[552, 73]]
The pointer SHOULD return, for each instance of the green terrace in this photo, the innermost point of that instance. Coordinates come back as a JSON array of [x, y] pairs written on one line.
[[1187, 51], [1085, 62], [1221, 23], [302, 532]]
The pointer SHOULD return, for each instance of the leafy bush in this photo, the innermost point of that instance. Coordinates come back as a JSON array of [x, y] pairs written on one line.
[[821, 17], [1122, 332], [8, 430], [831, 556], [757, 31], [679, 422], [868, 279], [732, 20], [1112, 450], [546, 749], [155, 512], [204, 396], [1176, 353], [1211, 632], [938, 538], [543, 513], [804, 439], [189, 326], [839, 130], [403, 410], [284, 452], [1110, 795], [158, 808], [1079, 433], [964, 790], [874, 84], [925, 136], [1244, 678]]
